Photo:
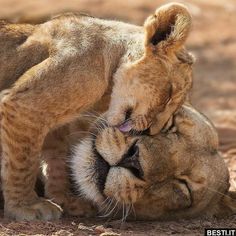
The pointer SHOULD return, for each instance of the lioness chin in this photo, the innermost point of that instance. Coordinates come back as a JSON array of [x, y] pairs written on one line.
[[52, 72], [175, 174]]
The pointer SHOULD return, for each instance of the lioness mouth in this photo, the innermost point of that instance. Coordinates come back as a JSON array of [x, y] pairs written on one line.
[[129, 161], [102, 168]]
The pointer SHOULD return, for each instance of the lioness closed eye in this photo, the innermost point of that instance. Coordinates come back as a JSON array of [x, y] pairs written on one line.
[[174, 174], [56, 70]]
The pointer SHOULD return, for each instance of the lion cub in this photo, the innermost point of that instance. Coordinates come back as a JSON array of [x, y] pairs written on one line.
[[58, 69]]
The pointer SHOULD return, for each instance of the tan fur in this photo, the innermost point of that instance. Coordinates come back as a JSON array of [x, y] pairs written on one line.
[[56, 70], [154, 86], [175, 174]]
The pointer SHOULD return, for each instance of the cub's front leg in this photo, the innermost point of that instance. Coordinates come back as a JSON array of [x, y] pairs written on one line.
[[45, 96], [22, 137], [57, 175]]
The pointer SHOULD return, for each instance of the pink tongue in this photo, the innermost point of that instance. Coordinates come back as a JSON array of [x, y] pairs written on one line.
[[125, 127]]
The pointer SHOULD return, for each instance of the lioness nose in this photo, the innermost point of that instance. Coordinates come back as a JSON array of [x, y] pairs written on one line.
[[130, 160]]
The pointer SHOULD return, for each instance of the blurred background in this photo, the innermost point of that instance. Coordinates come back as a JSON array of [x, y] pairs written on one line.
[[212, 41]]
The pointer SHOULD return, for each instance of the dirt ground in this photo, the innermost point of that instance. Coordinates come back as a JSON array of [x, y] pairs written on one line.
[[213, 41]]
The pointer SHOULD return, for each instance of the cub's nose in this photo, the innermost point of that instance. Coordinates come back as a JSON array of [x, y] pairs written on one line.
[[130, 161]]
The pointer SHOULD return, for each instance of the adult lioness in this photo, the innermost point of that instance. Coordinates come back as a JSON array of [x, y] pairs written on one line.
[[176, 173], [64, 66]]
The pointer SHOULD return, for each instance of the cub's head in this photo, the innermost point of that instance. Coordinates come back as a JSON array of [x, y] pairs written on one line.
[[176, 173], [147, 91]]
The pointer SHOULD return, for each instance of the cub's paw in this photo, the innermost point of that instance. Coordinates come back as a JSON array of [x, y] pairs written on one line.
[[41, 210]]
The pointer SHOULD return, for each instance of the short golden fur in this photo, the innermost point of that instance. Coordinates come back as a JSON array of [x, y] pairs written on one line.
[[52, 72], [175, 174]]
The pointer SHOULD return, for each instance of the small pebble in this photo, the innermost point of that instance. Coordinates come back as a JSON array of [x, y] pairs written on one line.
[[100, 229], [84, 227], [109, 234]]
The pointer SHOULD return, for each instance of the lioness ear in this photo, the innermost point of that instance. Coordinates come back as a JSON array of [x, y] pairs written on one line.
[[167, 30]]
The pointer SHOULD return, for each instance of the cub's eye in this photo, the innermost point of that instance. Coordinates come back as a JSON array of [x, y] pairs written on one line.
[[135, 133], [169, 127], [133, 150], [128, 114]]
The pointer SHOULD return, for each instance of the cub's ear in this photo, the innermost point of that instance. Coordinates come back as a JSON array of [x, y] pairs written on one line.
[[167, 30]]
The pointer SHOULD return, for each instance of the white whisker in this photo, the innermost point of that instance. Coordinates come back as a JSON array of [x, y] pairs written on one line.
[[123, 211], [133, 210], [223, 194], [118, 210], [110, 212], [109, 205], [104, 205], [81, 132]]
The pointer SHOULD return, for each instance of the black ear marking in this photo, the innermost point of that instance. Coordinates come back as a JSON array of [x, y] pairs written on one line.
[[161, 35]]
